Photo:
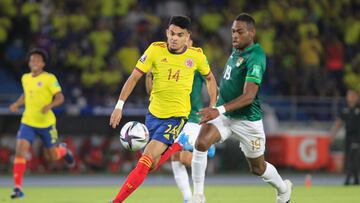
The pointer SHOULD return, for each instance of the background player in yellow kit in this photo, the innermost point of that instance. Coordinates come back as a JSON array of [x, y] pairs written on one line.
[[42, 92], [173, 65]]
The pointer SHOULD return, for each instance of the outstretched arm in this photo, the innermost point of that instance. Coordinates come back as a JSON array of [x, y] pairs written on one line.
[[211, 88], [250, 91], [125, 92], [149, 82], [248, 96]]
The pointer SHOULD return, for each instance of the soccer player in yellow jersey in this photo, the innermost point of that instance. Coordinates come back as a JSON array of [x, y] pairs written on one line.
[[42, 92], [187, 137], [173, 66]]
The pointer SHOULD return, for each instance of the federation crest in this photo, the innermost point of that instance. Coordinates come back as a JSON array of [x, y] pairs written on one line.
[[239, 61], [39, 84], [189, 63]]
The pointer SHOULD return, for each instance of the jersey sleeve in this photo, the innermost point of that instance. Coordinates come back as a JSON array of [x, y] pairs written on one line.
[[54, 85], [145, 62], [203, 64], [256, 69], [23, 82]]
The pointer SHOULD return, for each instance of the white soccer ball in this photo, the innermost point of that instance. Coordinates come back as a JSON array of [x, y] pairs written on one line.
[[134, 135]]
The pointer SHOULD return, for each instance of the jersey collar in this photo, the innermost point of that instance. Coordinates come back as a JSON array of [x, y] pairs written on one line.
[[171, 52], [247, 50]]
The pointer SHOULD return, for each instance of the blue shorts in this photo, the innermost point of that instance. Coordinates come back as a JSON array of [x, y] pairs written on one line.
[[48, 135], [164, 130]]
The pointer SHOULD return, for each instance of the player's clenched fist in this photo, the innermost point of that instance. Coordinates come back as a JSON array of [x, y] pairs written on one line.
[[46, 108], [14, 107], [208, 114], [115, 118]]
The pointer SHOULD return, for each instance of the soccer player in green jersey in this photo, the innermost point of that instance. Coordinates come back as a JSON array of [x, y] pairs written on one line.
[[181, 160], [238, 113]]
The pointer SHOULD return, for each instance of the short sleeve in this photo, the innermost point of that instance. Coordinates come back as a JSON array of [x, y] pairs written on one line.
[[145, 62], [203, 65], [23, 78], [255, 69], [23, 81], [54, 85]]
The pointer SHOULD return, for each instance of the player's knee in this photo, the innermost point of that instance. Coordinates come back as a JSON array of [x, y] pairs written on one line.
[[175, 157], [202, 145], [20, 154], [185, 160]]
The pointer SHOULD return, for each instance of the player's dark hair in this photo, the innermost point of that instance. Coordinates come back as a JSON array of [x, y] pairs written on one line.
[[181, 21], [245, 17], [39, 51]]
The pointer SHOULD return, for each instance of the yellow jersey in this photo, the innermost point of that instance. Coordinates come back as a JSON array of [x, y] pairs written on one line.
[[173, 78], [39, 92]]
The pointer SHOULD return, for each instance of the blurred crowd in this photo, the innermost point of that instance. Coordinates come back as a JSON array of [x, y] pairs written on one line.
[[95, 153], [312, 47]]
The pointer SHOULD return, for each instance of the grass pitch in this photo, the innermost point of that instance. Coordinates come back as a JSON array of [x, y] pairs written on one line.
[[170, 194]]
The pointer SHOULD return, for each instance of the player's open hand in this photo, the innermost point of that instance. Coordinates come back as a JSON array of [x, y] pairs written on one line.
[[115, 118], [13, 107], [208, 114], [46, 108]]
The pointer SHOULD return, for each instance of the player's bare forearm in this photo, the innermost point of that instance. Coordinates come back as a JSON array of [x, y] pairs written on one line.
[[211, 88], [128, 87], [58, 99], [149, 82], [208, 114], [249, 93], [130, 84], [19, 102], [248, 96]]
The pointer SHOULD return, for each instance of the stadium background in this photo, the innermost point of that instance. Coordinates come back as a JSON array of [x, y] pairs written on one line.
[[312, 52]]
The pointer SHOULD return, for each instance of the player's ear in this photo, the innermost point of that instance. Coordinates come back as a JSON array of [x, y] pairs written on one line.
[[252, 32], [187, 36], [167, 32]]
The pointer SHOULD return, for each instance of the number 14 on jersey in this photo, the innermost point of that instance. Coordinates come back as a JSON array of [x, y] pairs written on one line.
[[173, 75]]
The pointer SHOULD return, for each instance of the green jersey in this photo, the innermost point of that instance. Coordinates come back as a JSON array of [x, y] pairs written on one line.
[[195, 98], [241, 67]]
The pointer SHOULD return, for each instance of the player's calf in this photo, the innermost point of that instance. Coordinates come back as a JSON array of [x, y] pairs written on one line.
[[68, 156], [257, 170], [202, 145]]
